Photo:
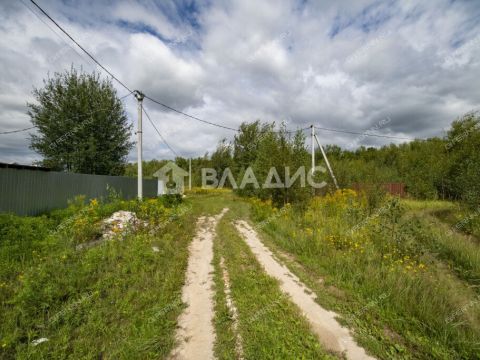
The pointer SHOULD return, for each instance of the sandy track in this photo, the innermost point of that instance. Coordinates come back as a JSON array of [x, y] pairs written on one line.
[[330, 333], [196, 334]]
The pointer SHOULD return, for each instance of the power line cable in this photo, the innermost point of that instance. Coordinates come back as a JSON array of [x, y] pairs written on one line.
[[124, 96], [364, 134], [80, 46], [208, 122], [190, 116], [52, 30], [120, 82], [16, 131], [294, 131], [181, 112], [159, 134], [77, 117]]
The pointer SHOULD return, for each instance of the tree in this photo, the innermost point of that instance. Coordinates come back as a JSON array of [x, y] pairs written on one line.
[[422, 165], [463, 144], [82, 124], [246, 143], [222, 157], [268, 152]]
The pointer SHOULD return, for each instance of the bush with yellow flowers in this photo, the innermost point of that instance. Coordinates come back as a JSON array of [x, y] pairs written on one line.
[[84, 225], [344, 205], [207, 191], [86, 222], [341, 223], [151, 210], [261, 209]]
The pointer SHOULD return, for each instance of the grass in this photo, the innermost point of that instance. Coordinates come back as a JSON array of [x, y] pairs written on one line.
[[431, 205], [116, 300], [453, 216], [398, 277], [445, 229], [402, 300], [460, 253], [270, 325]]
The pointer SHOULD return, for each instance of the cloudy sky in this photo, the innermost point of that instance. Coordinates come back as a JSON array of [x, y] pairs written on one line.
[[400, 68]]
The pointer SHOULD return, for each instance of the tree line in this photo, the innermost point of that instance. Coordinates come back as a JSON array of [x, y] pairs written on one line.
[[82, 127], [436, 168]]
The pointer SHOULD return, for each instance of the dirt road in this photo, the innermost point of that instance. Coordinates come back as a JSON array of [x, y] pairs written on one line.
[[196, 334], [330, 333]]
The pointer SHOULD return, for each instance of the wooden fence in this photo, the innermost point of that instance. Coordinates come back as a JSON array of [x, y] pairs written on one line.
[[32, 191]]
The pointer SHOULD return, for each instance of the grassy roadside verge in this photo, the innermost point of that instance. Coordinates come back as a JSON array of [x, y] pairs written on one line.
[[270, 325], [403, 302], [449, 237], [459, 252], [120, 299], [455, 217]]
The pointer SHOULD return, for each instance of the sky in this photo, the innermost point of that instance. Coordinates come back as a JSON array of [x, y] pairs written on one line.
[[399, 68]]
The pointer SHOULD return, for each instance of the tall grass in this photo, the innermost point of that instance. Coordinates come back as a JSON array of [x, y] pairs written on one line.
[[421, 309], [116, 300]]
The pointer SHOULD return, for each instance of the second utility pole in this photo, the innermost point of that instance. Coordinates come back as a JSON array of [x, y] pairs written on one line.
[[139, 96], [313, 157]]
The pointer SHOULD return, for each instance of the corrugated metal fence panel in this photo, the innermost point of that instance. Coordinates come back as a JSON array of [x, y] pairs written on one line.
[[31, 192]]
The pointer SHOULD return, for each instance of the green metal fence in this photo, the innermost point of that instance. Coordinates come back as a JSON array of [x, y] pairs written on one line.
[[32, 192]]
